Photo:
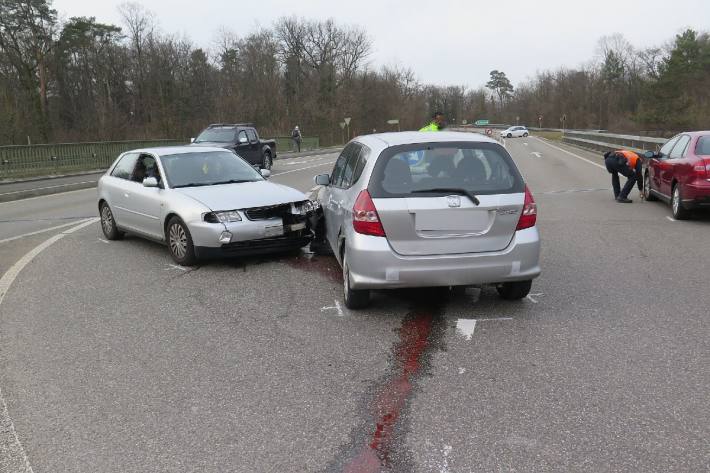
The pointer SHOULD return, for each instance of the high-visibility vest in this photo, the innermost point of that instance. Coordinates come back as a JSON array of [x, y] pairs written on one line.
[[631, 157], [431, 127]]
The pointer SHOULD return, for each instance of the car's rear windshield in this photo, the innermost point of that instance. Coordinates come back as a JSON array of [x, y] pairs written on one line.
[[438, 168], [217, 135], [703, 146], [207, 168]]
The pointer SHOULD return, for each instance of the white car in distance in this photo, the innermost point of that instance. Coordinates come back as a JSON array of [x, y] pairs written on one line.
[[515, 132]]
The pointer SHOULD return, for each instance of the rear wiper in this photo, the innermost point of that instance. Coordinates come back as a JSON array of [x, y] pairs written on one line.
[[451, 190], [192, 184], [232, 181]]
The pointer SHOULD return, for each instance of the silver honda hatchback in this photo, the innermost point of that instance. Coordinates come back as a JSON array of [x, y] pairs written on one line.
[[417, 209]]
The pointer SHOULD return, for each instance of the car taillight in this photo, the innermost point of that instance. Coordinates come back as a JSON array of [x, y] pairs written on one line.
[[702, 169], [365, 218], [529, 215]]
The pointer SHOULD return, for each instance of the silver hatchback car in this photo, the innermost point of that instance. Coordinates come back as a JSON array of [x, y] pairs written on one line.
[[415, 209]]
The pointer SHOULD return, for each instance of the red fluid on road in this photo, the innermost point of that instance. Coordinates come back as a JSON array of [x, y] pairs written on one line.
[[414, 339]]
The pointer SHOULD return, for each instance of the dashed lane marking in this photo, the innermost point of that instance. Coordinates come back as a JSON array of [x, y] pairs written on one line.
[[537, 154], [336, 307], [572, 154], [5, 282], [48, 187]]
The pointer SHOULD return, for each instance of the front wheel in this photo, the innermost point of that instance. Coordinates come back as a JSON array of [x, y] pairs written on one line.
[[267, 162], [108, 223], [679, 212], [512, 291], [180, 243], [354, 298], [509, 135], [647, 194]]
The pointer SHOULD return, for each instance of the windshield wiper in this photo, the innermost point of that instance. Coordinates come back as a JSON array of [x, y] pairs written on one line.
[[450, 190], [192, 184], [233, 181]]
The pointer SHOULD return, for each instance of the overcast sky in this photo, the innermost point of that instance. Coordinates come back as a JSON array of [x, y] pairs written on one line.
[[446, 42]]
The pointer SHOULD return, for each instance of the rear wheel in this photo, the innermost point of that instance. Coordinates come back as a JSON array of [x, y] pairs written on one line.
[[354, 298], [679, 212], [180, 242], [108, 224], [267, 162], [512, 291], [525, 135], [647, 194]]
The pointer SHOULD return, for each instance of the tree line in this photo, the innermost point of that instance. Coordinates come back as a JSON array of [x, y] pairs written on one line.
[[83, 80]]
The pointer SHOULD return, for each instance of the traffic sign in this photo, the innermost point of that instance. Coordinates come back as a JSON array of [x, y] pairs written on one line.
[[482, 122], [347, 120], [393, 122], [342, 125]]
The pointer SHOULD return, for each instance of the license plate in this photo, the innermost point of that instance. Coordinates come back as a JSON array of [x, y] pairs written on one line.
[[274, 230], [298, 226]]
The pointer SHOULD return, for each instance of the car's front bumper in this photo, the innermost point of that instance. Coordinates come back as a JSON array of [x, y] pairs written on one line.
[[287, 242], [374, 265]]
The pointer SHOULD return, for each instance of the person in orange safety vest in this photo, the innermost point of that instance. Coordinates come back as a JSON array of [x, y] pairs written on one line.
[[626, 163]]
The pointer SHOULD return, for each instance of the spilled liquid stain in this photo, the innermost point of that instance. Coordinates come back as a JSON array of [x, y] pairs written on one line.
[[326, 266], [374, 450]]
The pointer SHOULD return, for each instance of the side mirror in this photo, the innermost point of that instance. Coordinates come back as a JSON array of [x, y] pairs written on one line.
[[266, 173], [192, 140], [242, 140], [322, 180], [650, 155], [150, 182]]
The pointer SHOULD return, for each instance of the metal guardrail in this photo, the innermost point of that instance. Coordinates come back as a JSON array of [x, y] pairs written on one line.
[[22, 161], [610, 141]]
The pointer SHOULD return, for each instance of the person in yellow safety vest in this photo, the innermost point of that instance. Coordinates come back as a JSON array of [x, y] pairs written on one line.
[[627, 163], [436, 124]]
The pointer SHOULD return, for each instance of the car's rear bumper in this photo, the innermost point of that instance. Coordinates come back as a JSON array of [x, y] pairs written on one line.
[[374, 265], [697, 194]]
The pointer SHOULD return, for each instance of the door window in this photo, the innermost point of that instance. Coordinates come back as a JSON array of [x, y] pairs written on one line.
[[350, 168], [124, 168], [336, 177], [252, 136], [666, 148], [242, 137], [703, 146], [679, 149]]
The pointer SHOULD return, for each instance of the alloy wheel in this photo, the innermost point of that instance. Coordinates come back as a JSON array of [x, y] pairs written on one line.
[[106, 219], [178, 240], [676, 200]]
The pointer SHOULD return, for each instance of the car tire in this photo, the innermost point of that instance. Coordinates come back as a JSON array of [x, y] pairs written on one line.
[[180, 242], [525, 135], [354, 299], [679, 212], [513, 291], [108, 223], [509, 135], [647, 194], [267, 162]]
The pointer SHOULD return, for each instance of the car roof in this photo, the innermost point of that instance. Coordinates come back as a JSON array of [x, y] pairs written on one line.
[[415, 137], [696, 133], [165, 150]]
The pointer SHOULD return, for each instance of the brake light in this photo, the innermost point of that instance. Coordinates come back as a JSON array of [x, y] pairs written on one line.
[[703, 168], [365, 218], [529, 215]]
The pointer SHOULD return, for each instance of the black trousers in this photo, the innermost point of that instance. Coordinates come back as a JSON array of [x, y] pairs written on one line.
[[634, 176]]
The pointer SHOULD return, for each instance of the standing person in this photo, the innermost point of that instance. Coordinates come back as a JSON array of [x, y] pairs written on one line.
[[626, 163], [437, 123], [296, 137]]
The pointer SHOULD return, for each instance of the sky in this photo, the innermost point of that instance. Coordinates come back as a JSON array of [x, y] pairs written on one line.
[[445, 42]]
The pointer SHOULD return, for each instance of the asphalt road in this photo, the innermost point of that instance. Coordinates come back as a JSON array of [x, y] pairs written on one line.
[[113, 359]]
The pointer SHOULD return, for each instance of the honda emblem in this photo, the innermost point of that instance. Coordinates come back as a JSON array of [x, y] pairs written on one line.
[[454, 201]]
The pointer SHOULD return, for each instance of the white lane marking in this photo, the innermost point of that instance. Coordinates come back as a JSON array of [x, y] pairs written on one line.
[[668, 217], [494, 319], [104, 241], [572, 154], [504, 146], [47, 196], [335, 307], [5, 282], [9, 427], [303, 169], [466, 327], [532, 297], [536, 154], [525, 144], [37, 232], [307, 161], [175, 266], [48, 187], [462, 370]]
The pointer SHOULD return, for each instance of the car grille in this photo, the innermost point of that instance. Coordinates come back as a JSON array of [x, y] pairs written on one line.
[[265, 213]]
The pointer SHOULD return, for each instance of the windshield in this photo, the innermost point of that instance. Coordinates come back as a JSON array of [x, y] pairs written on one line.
[[207, 168], [445, 168], [217, 135]]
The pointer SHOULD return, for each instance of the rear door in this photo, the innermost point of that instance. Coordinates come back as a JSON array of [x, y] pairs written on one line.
[[427, 201], [673, 165], [657, 166]]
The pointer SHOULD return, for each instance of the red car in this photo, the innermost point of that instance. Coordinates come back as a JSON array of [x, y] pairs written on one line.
[[680, 173]]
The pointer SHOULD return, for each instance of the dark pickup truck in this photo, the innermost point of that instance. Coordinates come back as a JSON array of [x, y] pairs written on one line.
[[243, 139]]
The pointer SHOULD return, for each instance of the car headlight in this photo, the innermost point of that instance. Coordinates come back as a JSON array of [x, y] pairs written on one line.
[[307, 207], [225, 216]]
